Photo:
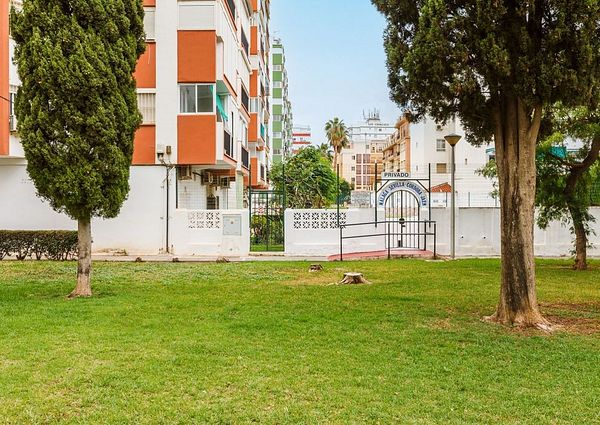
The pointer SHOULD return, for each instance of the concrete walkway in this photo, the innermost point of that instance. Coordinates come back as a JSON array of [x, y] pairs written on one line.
[[379, 255], [167, 258]]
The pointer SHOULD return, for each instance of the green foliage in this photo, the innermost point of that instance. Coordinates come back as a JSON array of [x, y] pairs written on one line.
[[267, 231], [38, 244], [565, 181], [470, 57], [309, 180], [77, 107], [345, 192], [269, 343]]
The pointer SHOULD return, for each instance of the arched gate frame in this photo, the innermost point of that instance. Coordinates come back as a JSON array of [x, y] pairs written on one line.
[[407, 207]]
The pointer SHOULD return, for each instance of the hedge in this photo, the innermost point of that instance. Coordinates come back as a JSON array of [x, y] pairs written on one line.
[[54, 245]]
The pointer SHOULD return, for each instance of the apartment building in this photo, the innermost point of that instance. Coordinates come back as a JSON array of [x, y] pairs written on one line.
[[417, 148], [282, 123], [367, 143], [203, 87], [301, 137], [203, 90]]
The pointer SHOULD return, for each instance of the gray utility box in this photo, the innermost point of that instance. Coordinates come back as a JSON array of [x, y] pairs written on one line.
[[232, 225]]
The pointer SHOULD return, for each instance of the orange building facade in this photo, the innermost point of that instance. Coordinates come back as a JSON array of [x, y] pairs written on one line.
[[203, 85]]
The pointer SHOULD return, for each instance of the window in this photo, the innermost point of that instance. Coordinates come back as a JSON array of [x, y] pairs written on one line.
[[441, 168], [147, 107], [196, 98], [150, 23], [440, 145], [196, 17]]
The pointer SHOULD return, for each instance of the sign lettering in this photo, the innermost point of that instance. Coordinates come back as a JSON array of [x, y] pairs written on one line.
[[407, 186], [395, 176]]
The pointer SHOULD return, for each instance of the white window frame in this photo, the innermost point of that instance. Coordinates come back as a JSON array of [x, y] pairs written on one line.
[[150, 19], [440, 145], [152, 115], [196, 85]]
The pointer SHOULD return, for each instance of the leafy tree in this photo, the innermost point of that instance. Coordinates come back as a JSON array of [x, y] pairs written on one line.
[[337, 134], [557, 201], [309, 180], [325, 149], [77, 107], [564, 183], [496, 64], [345, 191]]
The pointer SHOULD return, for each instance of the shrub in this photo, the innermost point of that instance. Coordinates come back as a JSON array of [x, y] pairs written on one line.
[[54, 245]]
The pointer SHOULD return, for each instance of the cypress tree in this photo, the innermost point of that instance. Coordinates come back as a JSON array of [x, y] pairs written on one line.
[[77, 106]]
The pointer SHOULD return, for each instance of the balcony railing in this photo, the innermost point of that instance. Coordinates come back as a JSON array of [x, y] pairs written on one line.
[[227, 144], [245, 99], [245, 44], [231, 4], [245, 158]]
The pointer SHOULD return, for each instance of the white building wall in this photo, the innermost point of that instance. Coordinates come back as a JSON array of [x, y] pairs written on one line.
[[139, 228], [167, 89]]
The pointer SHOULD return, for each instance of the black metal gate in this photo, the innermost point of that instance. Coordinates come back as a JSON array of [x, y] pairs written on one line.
[[403, 217], [267, 221]]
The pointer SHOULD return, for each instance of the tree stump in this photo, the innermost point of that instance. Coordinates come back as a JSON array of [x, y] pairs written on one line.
[[315, 268], [354, 279]]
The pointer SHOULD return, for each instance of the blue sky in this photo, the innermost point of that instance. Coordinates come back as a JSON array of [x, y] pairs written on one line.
[[335, 60]]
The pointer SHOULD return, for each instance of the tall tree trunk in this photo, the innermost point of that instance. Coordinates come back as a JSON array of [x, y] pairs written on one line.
[[84, 266], [580, 242], [577, 171], [335, 159], [515, 138]]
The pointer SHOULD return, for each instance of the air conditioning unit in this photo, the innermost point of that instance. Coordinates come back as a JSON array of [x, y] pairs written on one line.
[[225, 182], [208, 178], [12, 123], [185, 173]]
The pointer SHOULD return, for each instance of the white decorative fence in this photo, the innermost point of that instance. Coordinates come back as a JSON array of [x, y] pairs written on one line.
[[315, 233], [211, 233]]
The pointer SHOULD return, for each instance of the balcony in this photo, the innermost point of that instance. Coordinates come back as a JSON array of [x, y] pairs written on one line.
[[245, 158]]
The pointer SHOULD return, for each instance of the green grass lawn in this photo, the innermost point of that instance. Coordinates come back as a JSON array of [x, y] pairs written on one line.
[[271, 343]]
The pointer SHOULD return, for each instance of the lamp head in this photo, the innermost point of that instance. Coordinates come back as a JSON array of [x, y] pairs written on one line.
[[453, 139]]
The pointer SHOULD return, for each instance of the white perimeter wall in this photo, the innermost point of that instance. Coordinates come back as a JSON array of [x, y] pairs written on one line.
[[315, 232]]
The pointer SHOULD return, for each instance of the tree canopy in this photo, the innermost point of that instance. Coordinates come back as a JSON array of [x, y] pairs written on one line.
[[77, 106], [464, 57], [309, 180]]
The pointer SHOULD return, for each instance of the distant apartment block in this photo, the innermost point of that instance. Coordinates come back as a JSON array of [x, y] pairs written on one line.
[[282, 109], [367, 142], [301, 137]]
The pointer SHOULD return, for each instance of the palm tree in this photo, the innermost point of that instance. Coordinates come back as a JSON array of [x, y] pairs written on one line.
[[337, 134]]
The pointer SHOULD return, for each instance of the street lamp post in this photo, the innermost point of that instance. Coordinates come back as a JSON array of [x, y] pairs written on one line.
[[453, 140]]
